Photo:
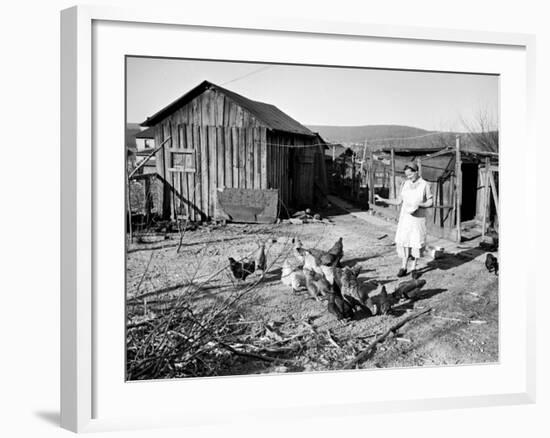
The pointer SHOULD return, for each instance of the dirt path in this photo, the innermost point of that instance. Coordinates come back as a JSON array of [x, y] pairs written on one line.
[[462, 328]]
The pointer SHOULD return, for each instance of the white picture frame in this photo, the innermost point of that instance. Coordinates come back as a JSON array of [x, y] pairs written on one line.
[[85, 365]]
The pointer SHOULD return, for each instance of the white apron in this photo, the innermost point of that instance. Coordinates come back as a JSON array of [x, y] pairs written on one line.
[[411, 228]]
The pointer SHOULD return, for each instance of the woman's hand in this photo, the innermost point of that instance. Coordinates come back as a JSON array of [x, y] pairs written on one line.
[[427, 204], [378, 198]]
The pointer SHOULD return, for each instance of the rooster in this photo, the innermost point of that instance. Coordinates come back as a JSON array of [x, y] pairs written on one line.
[[491, 263], [409, 289], [241, 270], [293, 277], [261, 259]]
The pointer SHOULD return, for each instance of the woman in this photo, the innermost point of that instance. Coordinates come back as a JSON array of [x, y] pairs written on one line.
[[410, 238]]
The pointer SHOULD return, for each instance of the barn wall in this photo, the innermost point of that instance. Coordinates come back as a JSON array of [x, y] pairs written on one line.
[[291, 168], [215, 157]]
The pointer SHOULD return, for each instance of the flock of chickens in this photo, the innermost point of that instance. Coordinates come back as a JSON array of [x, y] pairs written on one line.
[[322, 275]]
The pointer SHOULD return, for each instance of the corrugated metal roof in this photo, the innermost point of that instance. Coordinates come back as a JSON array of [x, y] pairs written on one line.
[[146, 133], [270, 115]]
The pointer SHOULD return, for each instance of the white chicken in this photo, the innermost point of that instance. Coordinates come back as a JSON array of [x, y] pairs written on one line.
[[293, 277]]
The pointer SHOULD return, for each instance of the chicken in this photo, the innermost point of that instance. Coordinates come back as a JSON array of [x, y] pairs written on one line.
[[409, 289], [491, 263], [293, 277], [331, 257], [351, 285], [241, 270], [379, 304], [316, 284], [339, 306], [310, 261], [297, 246], [337, 250], [332, 274], [261, 259]]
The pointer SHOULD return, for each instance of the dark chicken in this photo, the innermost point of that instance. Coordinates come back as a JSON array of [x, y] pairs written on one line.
[[491, 263], [241, 270], [379, 304], [337, 251], [339, 307], [409, 289], [352, 286], [261, 259]]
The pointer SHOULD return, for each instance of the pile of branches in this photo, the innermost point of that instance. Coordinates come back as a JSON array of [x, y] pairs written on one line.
[[176, 334]]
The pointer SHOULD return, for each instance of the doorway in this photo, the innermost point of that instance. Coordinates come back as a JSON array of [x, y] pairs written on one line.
[[469, 191]]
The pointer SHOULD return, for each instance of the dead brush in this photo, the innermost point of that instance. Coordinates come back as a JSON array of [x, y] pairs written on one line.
[[180, 337]]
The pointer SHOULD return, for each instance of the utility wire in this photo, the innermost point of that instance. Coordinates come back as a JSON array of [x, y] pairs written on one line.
[[247, 75]]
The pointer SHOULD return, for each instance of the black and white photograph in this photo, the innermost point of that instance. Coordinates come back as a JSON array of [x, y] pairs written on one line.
[[301, 218]]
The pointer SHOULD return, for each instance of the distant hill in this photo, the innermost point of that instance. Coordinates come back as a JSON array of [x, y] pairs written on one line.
[[403, 137], [132, 129], [358, 134]]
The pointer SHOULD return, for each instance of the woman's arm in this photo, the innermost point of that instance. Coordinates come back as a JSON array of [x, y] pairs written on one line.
[[429, 201], [396, 201], [427, 204]]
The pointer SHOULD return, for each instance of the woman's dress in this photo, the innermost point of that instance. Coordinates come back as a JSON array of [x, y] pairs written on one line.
[[411, 228]]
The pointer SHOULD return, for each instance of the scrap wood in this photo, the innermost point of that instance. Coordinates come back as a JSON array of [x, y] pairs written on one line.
[[370, 348], [250, 354], [331, 339]]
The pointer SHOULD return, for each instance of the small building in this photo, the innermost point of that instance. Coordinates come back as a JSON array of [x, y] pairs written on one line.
[[212, 138]]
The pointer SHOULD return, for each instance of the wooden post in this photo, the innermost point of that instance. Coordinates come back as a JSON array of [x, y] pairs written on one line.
[[353, 175], [364, 156], [394, 189], [371, 178], [333, 153], [129, 209], [486, 199], [419, 163], [494, 190], [458, 189]]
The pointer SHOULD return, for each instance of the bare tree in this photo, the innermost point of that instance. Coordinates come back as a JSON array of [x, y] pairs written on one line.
[[483, 130]]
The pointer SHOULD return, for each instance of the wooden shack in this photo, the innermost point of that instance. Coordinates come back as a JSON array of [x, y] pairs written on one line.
[[212, 138]]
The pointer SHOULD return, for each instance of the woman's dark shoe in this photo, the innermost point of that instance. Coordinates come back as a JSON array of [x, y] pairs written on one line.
[[402, 272]]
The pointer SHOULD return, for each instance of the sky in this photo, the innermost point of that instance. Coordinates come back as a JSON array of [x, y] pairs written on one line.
[[322, 95]]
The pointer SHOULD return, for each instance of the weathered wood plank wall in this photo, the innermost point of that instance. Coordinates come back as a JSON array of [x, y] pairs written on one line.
[[230, 148]]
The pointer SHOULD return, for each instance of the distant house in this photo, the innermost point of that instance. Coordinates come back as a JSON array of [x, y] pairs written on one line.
[[145, 139], [214, 138]]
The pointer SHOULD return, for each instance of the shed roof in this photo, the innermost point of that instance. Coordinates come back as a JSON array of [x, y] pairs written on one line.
[[270, 115], [146, 133]]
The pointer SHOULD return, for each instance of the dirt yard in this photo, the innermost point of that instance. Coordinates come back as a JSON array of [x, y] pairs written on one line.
[[272, 329]]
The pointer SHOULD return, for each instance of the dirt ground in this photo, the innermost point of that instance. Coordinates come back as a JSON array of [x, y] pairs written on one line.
[[461, 328]]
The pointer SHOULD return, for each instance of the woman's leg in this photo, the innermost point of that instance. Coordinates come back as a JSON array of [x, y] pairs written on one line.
[[405, 258], [414, 264]]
